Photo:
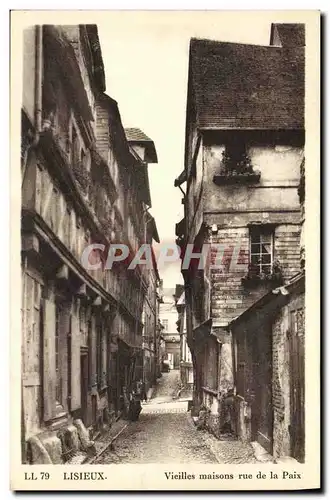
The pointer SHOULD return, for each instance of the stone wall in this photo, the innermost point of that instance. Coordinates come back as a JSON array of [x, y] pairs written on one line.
[[210, 414], [281, 386], [287, 248], [282, 376], [280, 171], [229, 297]]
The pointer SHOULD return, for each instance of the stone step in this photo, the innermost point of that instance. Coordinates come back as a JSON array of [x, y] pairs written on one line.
[[77, 459]]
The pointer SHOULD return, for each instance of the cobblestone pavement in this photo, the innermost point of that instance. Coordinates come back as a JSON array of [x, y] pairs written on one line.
[[167, 387], [230, 451], [160, 438], [165, 433]]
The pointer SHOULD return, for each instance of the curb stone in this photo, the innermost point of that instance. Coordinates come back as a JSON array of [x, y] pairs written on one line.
[[116, 429]]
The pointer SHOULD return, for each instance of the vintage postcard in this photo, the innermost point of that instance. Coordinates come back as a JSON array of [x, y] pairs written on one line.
[[165, 247]]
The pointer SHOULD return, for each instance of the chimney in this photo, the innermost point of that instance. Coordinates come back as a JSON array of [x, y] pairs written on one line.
[[287, 35]]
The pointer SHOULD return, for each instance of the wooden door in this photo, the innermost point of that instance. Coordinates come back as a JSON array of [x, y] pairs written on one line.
[[297, 388], [262, 409]]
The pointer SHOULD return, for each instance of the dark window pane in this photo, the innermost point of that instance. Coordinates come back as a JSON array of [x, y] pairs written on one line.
[[265, 259], [255, 248], [255, 259], [255, 238]]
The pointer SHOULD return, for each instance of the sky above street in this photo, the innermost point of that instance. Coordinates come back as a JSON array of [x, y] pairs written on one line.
[[145, 56]]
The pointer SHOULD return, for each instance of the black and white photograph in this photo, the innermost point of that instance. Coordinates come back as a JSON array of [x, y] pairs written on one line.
[[164, 248]]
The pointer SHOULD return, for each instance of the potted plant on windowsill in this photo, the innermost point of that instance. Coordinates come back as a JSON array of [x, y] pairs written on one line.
[[255, 278], [236, 169]]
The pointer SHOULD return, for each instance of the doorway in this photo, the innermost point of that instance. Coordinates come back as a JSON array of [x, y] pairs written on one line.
[[84, 387], [262, 409]]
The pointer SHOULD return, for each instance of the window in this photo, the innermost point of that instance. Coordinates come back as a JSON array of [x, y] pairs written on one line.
[[99, 353], [102, 354], [261, 251], [86, 160], [82, 323], [165, 324], [75, 152], [58, 388], [236, 151], [235, 158]]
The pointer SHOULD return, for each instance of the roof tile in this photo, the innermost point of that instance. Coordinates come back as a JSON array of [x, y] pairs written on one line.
[[136, 135], [247, 86]]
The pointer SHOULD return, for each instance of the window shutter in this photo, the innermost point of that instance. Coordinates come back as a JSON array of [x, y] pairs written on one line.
[[49, 369], [75, 361]]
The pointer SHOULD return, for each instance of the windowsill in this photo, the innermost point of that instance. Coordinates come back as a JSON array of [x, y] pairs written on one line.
[[61, 414], [238, 178], [58, 420], [60, 411], [256, 280]]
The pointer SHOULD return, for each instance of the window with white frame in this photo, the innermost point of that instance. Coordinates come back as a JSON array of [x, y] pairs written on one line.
[[261, 250]]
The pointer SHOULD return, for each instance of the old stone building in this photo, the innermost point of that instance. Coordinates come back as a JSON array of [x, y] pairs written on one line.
[[151, 327], [82, 184], [243, 154], [168, 316], [269, 365]]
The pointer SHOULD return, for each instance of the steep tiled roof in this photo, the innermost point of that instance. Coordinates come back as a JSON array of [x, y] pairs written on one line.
[[246, 86], [136, 135]]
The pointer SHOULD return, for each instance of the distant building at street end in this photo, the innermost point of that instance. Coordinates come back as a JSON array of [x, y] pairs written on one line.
[[168, 316]]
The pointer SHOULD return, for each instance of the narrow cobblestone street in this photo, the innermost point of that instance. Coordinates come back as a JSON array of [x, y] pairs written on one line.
[[165, 433]]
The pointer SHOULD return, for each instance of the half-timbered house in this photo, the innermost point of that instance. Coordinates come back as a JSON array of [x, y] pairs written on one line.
[[81, 185]]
